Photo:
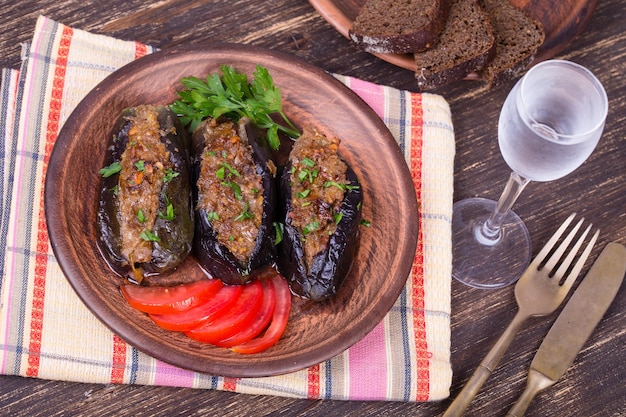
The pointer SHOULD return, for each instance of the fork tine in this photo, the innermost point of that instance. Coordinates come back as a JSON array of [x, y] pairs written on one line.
[[558, 253], [543, 253], [570, 256], [569, 281]]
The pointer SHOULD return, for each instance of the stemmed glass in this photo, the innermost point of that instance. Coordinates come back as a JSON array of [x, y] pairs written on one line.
[[550, 123]]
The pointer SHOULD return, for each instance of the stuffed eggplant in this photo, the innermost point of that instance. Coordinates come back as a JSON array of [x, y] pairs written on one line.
[[321, 199], [234, 198], [145, 216]]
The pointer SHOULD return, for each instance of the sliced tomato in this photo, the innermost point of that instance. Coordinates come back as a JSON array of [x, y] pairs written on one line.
[[197, 316], [167, 300], [279, 320], [238, 317], [261, 320]]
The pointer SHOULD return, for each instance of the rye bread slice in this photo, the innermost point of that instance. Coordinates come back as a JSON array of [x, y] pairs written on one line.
[[518, 37], [393, 27], [465, 45]]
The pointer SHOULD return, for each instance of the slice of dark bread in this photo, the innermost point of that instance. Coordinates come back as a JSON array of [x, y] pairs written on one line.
[[466, 43], [518, 37], [391, 26]]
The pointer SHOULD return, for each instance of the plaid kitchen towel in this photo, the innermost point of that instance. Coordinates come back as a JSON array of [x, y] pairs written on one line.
[[405, 358]]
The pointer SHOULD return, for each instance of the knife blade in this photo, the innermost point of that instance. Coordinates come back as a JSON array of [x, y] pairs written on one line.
[[575, 324]]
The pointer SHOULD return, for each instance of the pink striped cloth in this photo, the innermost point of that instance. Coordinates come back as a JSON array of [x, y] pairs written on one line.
[[45, 330]]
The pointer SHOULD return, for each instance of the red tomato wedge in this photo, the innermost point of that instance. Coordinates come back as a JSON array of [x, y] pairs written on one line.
[[279, 320], [260, 321], [238, 317], [167, 300], [197, 316]]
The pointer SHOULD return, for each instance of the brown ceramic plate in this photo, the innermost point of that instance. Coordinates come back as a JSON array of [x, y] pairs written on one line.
[[562, 21], [315, 332]]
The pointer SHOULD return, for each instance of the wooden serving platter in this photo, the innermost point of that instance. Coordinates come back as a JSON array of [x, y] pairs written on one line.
[[562, 21]]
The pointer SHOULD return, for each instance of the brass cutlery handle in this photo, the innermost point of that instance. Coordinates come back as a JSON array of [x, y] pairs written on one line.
[[536, 382], [486, 367]]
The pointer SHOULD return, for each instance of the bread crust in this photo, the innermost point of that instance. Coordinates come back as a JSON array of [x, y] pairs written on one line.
[[388, 40]]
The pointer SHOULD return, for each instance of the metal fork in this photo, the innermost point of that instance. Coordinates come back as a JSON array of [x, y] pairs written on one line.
[[538, 292]]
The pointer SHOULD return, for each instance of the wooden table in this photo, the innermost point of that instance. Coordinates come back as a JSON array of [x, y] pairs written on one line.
[[593, 386]]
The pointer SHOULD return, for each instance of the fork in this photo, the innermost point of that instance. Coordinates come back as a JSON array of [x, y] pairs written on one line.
[[538, 292]]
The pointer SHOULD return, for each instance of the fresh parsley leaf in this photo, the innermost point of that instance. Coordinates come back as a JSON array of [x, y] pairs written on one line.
[[170, 174], [141, 217], [169, 213], [234, 96], [114, 168], [148, 236]]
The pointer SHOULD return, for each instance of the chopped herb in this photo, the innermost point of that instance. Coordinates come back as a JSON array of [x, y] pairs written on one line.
[[170, 174], [305, 174], [342, 187], [235, 187], [245, 214], [212, 215], [220, 173], [233, 96], [305, 204], [115, 189], [310, 227], [279, 230], [148, 236], [365, 223], [231, 171], [169, 213], [107, 171], [337, 217], [304, 193], [140, 165], [141, 217], [307, 162]]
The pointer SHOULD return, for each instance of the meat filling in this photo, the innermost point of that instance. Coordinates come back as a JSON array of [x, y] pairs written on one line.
[[143, 166], [318, 184], [230, 190]]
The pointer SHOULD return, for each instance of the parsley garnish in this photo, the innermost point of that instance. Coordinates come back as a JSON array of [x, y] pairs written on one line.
[[140, 165], [310, 228], [107, 171], [170, 174], [279, 229], [233, 96], [141, 217], [169, 213], [245, 214], [148, 236]]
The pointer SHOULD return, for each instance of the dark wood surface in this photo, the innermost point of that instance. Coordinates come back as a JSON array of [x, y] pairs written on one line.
[[593, 386]]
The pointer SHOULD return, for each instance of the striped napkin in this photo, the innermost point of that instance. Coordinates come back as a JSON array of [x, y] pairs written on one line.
[[46, 331]]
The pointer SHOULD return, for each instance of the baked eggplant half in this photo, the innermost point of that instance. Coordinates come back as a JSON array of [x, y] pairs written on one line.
[[234, 199], [145, 216], [321, 199]]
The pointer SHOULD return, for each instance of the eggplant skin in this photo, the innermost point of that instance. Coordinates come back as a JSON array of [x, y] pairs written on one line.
[[175, 236], [214, 256], [331, 266]]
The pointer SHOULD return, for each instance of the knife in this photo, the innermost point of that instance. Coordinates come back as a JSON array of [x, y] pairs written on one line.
[[575, 324]]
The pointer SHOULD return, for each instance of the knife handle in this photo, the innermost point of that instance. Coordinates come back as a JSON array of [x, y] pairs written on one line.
[[486, 367], [536, 382]]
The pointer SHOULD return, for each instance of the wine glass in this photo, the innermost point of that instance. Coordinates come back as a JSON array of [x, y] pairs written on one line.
[[550, 123]]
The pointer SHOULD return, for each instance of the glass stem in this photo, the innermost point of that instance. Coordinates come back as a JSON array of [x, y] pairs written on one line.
[[491, 230]]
